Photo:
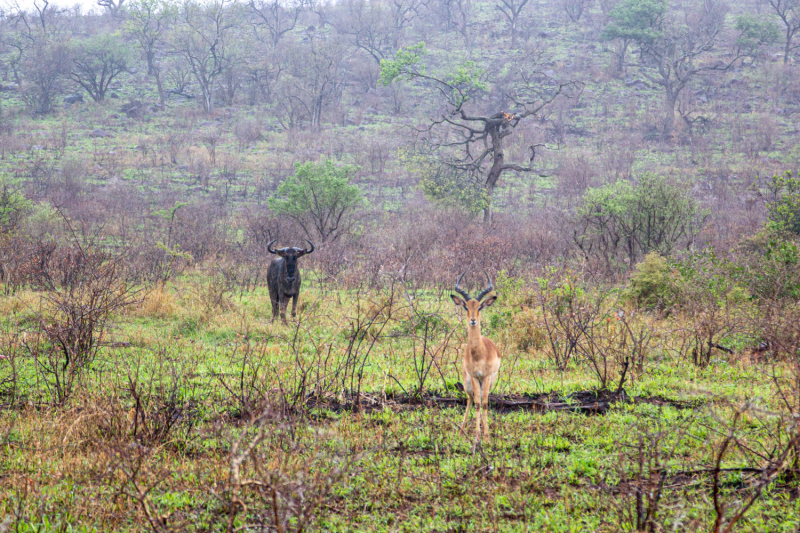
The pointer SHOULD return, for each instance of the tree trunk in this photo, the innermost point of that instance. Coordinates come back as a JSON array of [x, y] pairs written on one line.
[[621, 52], [514, 34], [160, 87], [494, 172], [788, 47], [487, 211], [671, 98]]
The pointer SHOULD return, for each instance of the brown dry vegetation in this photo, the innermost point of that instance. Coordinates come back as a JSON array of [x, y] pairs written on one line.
[[650, 370]]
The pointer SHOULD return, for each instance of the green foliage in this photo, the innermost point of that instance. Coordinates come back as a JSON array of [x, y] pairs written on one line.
[[635, 20], [561, 291], [320, 197], [783, 207], [712, 278], [465, 79], [444, 184], [770, 266], [755, 31], [655, 284], [625, 220], [13, 207], [405, 65]]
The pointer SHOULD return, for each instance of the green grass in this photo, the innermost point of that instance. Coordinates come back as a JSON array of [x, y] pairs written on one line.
[[388, 469]]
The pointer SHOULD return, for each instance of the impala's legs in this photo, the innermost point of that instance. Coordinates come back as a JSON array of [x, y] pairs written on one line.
[[468, 390], [485, 408], [477, 387]]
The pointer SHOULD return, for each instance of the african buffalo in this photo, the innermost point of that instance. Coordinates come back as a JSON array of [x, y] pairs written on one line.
[[283, 278]]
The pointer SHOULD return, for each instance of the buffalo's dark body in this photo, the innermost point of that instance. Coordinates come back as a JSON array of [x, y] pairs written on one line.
[[283, 279], [281, 289]]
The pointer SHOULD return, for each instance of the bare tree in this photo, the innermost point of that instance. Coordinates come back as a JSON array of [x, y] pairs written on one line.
[[277, 17], [368, 25], [575, 8], [455, 15], [677, 56], [112, 6], [789, 13], [201, 40], [512, 9], [315, 75], [404, 12], [147, 21]]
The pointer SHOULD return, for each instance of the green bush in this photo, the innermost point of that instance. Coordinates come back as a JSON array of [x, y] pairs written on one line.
[[783, 202], [619, 223], [655, 284], [769, 264]]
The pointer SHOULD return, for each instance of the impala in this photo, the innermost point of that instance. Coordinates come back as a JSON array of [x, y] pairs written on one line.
[[481, 357]]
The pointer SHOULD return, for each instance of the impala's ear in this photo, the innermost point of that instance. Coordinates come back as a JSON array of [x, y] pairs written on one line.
[[488, 302], [458, 301]]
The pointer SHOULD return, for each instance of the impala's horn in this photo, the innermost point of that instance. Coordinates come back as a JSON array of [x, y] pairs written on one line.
[[487, 290], [458, 289]]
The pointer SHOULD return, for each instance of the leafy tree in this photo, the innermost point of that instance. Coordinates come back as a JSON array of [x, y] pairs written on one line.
[[623, 221], [320, 197], [97, 61], [789, 13], [782, 194], [655, 284], [633, 21], [13, 206], [466, 138], [754, 32]]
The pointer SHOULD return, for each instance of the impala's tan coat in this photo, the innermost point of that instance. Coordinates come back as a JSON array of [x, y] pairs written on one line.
[[481, 360]]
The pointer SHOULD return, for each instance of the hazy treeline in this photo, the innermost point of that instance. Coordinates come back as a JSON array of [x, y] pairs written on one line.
[[532, 112]]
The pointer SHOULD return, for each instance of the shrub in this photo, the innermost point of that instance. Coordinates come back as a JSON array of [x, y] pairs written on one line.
[[655, 284], [770, 265], [623, 221], [783, 202], [320, 197]]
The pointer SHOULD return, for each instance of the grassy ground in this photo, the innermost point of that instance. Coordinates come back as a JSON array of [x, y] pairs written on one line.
[[200, 414]]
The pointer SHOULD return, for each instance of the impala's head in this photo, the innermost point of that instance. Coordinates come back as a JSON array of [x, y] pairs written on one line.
[[473, 306], [290, 256]]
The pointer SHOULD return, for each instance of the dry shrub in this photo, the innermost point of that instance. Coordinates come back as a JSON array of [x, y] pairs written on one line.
[[158, 303], [434, 246], [576, 173], [247, 132], [527, 330], [83, 287]]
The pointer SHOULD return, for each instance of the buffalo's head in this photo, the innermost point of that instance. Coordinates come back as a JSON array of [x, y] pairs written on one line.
[[290, 256]]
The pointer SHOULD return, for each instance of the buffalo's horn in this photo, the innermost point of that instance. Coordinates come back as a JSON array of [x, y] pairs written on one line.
[[487, 290], [270, 249], [301, 252], [459, 291]]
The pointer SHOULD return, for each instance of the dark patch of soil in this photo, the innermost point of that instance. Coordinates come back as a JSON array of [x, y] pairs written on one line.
[[588, 402]]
